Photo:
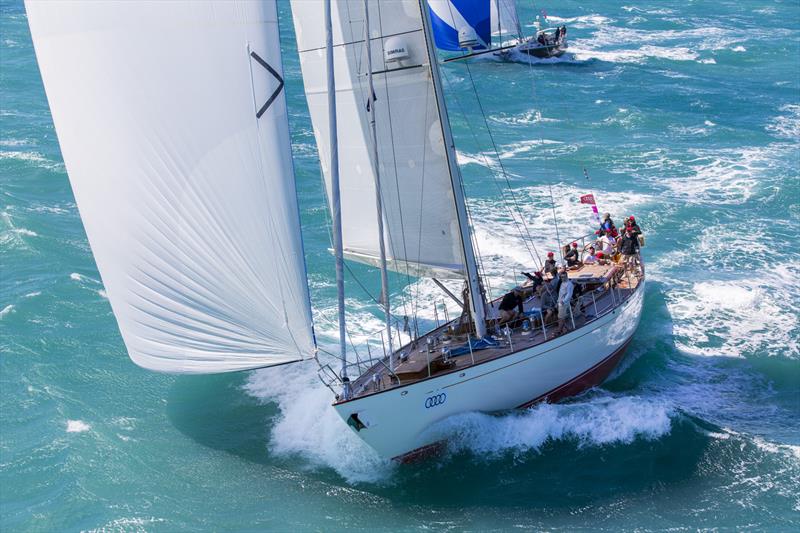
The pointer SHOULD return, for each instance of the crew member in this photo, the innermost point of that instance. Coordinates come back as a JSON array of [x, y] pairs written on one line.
[[572, 257], [550, 264], [511, 306]]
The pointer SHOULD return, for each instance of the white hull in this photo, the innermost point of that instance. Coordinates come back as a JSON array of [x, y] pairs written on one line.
[[398, 420]]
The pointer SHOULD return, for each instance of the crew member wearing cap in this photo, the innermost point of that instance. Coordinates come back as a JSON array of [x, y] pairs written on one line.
[[631, 223], [572, 257], [550, 265]]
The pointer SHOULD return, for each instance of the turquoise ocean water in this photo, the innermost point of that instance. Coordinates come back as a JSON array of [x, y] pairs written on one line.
[[686, 114]]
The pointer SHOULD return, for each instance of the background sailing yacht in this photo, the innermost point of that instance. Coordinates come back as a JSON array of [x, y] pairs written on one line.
[[183, 175], [482, 27]]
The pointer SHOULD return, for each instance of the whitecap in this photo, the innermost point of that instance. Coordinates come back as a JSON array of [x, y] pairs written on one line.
[[787, 125], [734, 317], [35, 158], [77, 426], [6, 310]]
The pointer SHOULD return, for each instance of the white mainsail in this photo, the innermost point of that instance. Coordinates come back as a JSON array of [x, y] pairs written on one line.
[[505, 23], [421, 225], [173, 127]]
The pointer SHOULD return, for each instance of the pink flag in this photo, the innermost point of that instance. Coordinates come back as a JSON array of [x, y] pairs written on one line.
[[588, 199]]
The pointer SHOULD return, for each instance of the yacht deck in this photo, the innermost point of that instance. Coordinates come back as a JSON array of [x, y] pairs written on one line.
[[606, 287]]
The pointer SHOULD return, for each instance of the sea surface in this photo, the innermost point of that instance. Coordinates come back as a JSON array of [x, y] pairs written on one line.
[[685, 114]]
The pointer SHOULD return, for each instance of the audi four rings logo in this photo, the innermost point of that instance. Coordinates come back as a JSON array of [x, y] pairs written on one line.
[[437, 399]]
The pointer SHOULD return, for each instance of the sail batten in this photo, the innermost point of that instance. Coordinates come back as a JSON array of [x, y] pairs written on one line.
[[421, 227], [173, 127]]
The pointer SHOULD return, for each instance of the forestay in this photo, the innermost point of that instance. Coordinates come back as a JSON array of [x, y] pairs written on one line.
[[451, 17], [505, 23], [422, 233], [173, 127]]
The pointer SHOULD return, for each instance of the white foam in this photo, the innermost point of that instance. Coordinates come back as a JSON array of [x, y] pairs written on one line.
[[583, 21], [739, 48], [35, 158], [80, 277], [735, 317], [594, 422], [77, 426], [787, 125], [724, 176], [6, 310], [307, 425], [783, 449], [33, 294], [533, 116]]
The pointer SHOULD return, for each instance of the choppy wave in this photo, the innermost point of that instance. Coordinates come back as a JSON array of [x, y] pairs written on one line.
[[740, 316], [787, 125], [33, 158]]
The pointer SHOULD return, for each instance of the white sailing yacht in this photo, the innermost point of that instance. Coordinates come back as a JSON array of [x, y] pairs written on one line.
[[173, 126], [479, 27]]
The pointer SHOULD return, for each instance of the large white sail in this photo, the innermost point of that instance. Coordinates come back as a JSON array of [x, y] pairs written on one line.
[[422, 231], [505, 23], [173, 127]]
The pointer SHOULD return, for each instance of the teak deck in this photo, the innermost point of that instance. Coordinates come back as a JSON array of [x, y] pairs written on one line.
[[416, 362]]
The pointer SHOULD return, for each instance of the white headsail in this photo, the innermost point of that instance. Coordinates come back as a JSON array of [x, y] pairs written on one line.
[[173, 126], [422, 231], [505, 23]]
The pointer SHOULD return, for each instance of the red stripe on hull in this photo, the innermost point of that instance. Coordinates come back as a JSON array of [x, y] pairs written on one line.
[[591, 378]]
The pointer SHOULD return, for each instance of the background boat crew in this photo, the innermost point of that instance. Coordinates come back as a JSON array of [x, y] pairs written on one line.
[[629, 247], [511, 306], [602, 259], [572, 257], [565, 292], [534, 280], [550, 266], [590, 257]]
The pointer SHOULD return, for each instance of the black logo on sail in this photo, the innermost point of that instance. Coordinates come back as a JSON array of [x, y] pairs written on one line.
[[277, 77]]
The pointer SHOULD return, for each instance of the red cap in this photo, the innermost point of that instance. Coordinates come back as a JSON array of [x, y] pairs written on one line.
[[631, 218], [574, 244], [598, 232], [550, 254], [599, 254]]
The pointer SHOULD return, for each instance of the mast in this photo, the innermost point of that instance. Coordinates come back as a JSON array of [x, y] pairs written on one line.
[[378, 197], [336, 204], [476, 302]]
